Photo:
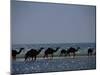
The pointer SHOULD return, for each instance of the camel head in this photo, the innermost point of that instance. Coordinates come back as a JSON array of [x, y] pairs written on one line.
[[41, 48], [20, 50], [92, 49], [77, 48], [57, 49]]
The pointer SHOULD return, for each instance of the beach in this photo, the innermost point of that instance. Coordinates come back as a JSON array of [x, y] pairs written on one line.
[[56, 64]]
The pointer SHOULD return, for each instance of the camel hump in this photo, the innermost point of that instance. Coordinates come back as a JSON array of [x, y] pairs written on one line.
[[49, 48], [33, 49], [21, 48], [90, 49], [41, 48], [58, 48], [72, 48]]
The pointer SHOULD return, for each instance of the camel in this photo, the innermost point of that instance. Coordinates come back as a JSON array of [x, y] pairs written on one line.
[[32, 54], [72, 50], [63, 52], [14, 53], [94, 52], [50, 51], [90, 51]]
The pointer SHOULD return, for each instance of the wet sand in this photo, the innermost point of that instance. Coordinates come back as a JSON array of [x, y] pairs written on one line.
[[56, 64]]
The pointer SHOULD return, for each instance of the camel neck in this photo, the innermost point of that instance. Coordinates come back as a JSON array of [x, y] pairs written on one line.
[[56, 49], [77, 49], [39, 50], [19, 51]]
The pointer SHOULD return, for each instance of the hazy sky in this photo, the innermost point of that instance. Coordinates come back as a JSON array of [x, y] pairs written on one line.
[[33, 22]]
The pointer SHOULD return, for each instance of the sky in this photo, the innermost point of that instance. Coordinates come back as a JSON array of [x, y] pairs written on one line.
[[34, 22]]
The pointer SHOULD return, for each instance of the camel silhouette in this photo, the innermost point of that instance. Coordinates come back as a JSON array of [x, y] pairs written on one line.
[[90, 51], [32, 53], [63, 52], [50, 51], [72, 50], [14, 53], [95, 52]]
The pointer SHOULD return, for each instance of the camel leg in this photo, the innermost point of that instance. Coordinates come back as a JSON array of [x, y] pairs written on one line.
[[29, 58], [65, 54], [60, 54], [68, 54], [91, 53], [44, 56], [88, 53], [94, 53], [52, 56], [14, 57], [34, 58], [25, 58], [73, 55]]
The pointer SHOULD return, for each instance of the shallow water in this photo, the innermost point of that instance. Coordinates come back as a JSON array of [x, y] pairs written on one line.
[[52, 65]]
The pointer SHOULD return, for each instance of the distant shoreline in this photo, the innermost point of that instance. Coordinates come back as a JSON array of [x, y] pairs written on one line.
[[54, 43]]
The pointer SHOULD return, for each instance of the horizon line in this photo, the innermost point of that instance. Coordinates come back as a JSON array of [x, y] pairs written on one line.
[[51, 43]]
